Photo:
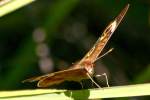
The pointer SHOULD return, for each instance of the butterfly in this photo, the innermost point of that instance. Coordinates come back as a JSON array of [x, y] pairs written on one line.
[[83, 69]]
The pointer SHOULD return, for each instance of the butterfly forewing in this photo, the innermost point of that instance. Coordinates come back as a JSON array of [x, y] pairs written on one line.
[[102, 41]]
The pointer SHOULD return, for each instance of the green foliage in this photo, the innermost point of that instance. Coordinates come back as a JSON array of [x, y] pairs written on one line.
[[110, 92]]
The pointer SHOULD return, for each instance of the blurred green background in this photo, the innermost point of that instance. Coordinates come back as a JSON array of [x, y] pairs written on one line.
[[50, 35]]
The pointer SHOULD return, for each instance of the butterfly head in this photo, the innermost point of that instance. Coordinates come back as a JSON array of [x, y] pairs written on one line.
[[88, 65]]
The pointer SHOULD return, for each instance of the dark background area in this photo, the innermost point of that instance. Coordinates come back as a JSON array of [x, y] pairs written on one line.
[[50, 35]]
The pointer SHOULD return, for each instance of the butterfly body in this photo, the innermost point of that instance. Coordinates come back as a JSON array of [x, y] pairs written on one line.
[[83, 69]]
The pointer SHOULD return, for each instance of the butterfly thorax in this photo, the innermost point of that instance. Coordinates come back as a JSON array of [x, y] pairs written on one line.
[[88, 65]]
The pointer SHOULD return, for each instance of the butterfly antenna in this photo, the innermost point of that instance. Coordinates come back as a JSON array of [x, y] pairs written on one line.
[[110, 50]]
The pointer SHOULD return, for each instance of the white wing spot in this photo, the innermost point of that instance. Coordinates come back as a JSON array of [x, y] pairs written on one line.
[[113, 26]]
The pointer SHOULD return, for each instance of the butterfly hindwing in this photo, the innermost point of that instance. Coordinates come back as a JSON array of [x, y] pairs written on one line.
[[61, 76]]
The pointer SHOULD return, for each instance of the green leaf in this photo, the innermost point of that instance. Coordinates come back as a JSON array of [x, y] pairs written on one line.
[[12, 5], [109, 92]]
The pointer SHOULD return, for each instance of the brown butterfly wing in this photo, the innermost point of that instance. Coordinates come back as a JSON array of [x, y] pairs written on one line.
[[101, 42], [33, 79], [61, 76]]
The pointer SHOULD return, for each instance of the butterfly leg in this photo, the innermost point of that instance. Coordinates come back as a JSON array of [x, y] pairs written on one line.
[[93, 80], [104, 74], [81, 84]]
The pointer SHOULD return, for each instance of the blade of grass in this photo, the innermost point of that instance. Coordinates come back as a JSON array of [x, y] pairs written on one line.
[[12, 5], [111, 92]]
